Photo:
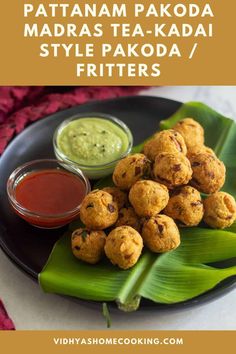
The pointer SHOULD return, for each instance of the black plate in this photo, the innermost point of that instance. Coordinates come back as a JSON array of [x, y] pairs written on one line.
[[29, 247]]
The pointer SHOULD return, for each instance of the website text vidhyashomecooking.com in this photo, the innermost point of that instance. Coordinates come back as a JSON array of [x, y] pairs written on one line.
[[118, 341]]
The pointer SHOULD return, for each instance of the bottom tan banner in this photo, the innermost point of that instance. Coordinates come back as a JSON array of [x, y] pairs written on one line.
[[105, 342]]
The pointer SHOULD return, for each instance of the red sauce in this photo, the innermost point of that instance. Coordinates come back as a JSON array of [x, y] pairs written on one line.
[[50, 193]]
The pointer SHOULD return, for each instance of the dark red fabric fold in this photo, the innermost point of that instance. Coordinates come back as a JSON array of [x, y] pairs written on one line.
[[19, 106], [5, 322]]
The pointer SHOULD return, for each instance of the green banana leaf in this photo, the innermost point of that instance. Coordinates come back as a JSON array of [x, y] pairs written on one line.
[[169, 278]]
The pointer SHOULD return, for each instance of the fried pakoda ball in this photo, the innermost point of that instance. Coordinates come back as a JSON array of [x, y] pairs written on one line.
[[131, 169], [173, 170], [98, 210], [201, 150], [88, 246], [185, 206], [208, 172], [160, 234], [124, 246], [220, 210], [120, 197], [128, 217], [148, 197], [165, 141], [192, 132]]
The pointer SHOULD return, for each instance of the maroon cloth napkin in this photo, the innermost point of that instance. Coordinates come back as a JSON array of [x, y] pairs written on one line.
[[20, 106], [5, 322]]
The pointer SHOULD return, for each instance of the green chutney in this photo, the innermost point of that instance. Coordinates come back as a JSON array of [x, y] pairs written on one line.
[[92, 141]]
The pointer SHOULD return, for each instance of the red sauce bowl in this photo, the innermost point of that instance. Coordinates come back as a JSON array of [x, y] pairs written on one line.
[[47, 193]]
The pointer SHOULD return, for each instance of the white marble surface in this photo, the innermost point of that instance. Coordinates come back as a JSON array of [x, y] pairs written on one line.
[[31, 309]]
